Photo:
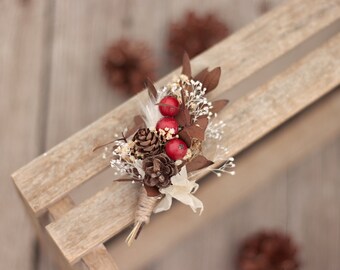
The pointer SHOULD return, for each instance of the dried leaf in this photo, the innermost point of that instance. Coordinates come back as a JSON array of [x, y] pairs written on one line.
[[183, 118], [186, 69], [218, 105], [212, 78], [123, 180], [201, 75], [195, 132], [202, 123], [138, 123], [152, 191], [185, 136], [198, 163], [151, 89]]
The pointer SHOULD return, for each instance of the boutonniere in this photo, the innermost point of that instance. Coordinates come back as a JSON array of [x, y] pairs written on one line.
[[167, 144]]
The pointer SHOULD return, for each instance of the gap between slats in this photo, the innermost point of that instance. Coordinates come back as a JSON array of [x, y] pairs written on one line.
[[98, 258]]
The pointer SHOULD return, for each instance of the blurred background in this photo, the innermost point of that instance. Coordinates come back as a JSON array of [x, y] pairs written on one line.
[[64, 63]]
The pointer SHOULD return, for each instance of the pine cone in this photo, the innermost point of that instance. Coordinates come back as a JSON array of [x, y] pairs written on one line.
[[195, 34], [158, 170], [147, 143], [268, 251], [127, 64]]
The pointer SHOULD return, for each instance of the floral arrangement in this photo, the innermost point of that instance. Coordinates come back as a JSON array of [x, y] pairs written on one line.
[[166, 146]]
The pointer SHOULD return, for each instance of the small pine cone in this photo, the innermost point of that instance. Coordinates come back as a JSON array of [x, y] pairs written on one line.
[[147, 143], [127, 64], [195, 34], [268, 251], [158, 170]]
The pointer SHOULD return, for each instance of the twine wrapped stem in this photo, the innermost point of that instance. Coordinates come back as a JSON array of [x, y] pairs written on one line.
[[145, 206]]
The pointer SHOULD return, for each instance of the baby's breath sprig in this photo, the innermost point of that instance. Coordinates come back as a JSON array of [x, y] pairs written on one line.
[[227, 167], [215, 130], [123, 160], [196, 102]]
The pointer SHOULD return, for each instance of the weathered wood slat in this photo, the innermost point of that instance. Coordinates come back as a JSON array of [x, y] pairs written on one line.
[[48, 178], [247, 120], [98, 258]]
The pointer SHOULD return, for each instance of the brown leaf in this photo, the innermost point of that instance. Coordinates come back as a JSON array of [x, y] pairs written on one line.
[[151, 89], [218, 105], [195, 132], [201, 75], [152, 191], [185, 136], [212, 78], [123, 180], [138, 123], [202, 123], [186, 69], [183, 118], [198, 163]]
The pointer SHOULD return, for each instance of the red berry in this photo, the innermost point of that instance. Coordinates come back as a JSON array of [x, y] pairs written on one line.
[[176, 149], [167, 122], [169, 106]]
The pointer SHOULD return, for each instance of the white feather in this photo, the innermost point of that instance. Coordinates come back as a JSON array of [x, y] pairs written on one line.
[[150, 113]]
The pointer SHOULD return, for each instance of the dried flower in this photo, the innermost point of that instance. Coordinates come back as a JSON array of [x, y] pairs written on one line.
[[195, 34], [268, 251], [182, 190], [127, 64]]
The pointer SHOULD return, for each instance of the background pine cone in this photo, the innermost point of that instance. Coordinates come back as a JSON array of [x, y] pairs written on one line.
[[195, 34], [158, 170], [127, 64], [147, 143], [268, 251]]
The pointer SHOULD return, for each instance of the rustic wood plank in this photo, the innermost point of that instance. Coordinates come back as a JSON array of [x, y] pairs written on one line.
[[247, 120], [314, 216], [98, 258], [22, 46], [67, 165], [223, 227]]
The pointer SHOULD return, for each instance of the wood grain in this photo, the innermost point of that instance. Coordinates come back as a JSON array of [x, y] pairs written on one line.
[[313, 212], [22, 44], [248, 119], [48, 178], [257, 197], [98, 258]]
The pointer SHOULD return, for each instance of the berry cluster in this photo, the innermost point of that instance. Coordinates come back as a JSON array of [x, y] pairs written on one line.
[[169, 107]]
